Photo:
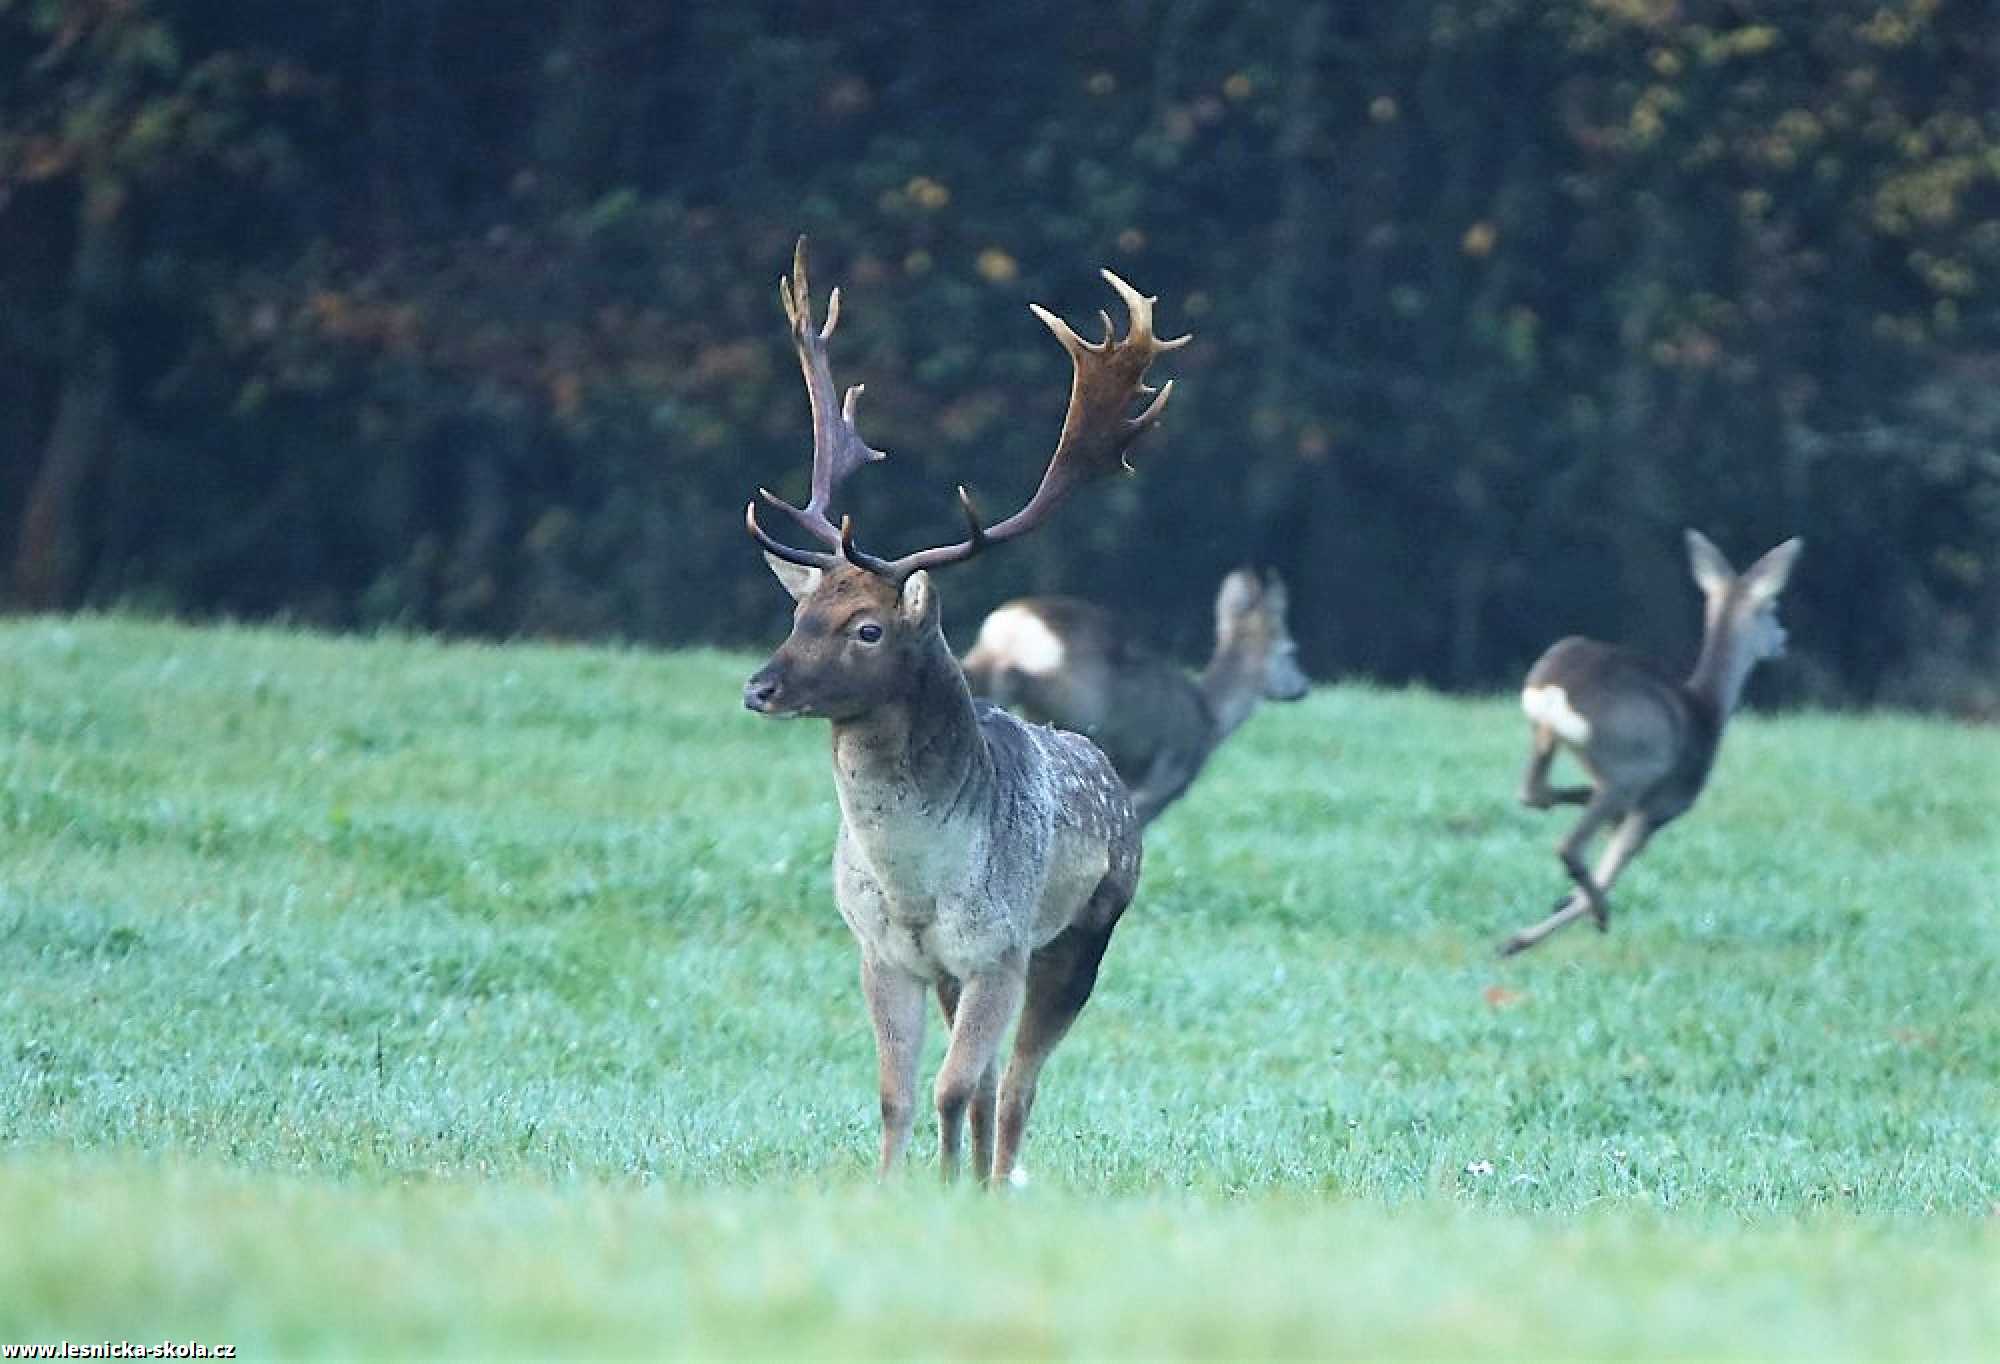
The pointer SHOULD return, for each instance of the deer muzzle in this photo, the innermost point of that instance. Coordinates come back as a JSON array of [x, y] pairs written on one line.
[[764, 692]]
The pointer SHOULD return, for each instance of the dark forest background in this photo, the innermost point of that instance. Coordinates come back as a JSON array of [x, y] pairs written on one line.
[[461, 316]]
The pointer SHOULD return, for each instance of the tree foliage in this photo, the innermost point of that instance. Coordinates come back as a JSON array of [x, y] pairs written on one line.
[[432, 313]]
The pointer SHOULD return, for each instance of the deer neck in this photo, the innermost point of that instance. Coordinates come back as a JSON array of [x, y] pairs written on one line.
[[1723, 666], [918, 755], [1232, 684]]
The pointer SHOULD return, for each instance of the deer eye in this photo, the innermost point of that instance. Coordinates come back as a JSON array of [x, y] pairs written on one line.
[[869, 633]]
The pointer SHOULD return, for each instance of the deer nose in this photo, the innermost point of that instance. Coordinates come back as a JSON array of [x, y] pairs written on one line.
[[765, 689], [760, 691]]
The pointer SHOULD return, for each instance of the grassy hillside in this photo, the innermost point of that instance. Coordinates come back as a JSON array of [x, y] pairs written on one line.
[[391, 995]]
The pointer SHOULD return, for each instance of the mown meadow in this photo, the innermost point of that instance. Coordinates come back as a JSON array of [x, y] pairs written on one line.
[[383, 995]]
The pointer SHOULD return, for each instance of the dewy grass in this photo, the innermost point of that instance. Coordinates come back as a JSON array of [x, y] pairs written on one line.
[[481, 1268], [351, 988]]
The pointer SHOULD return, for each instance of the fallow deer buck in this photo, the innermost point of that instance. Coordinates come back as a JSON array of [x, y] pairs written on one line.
[[1646, 738], [978, 856], [1071, 664]]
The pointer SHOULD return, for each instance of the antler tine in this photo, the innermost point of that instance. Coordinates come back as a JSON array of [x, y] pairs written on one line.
[[1140, 306], [1096, 433], [977, 538], [861, 558], [804, 557], [838, 449], [1067, 336]]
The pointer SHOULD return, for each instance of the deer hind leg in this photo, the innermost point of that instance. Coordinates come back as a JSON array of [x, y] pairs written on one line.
[[1536, 793], [1060, 977], [1588, 897], [896, 1008], [980, 1112], [986, 1004]]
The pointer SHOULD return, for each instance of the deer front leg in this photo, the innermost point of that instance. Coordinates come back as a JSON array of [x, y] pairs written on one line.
[[987, 1003], [1625, 844], [980, 1113], [1626, 841], [1167, 776], [1570, 850], [896, 1008], [1573, 909]]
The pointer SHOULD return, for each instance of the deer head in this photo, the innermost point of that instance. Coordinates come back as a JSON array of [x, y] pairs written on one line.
[[1250, 625], [1743, 608], [864, 627], [1740, 617], [856, 640]]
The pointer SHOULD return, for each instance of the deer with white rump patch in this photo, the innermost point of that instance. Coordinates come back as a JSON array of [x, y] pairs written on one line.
[[1072, 663], [1646, 738], [978, 856]]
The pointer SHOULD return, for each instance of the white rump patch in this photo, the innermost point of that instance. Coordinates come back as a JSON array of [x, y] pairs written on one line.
[[1020, 639], [1550, 706]]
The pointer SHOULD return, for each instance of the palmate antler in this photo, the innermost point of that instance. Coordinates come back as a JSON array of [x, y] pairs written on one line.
[[1096, 433]]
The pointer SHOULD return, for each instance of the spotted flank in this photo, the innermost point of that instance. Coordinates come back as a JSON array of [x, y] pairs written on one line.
[[1549, 705], [1023, 640]]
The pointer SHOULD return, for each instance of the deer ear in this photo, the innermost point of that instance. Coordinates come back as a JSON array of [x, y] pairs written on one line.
[[1767, 577], [1712, 572], [918, 602], [801, 580], [1276, 599], [1238, 594]]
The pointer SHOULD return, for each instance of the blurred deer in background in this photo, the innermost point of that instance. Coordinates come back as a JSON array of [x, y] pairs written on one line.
[[978, 856], [1072, 664], [1646, 738]]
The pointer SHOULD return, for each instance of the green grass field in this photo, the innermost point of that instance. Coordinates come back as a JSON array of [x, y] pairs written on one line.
[[384, 996]]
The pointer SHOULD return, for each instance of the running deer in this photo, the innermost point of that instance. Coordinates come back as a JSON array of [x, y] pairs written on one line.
[[1647, 739], [1069, 663], [978, 856]]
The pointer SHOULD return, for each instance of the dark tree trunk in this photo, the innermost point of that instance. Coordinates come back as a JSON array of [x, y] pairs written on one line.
[[47, 551]]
